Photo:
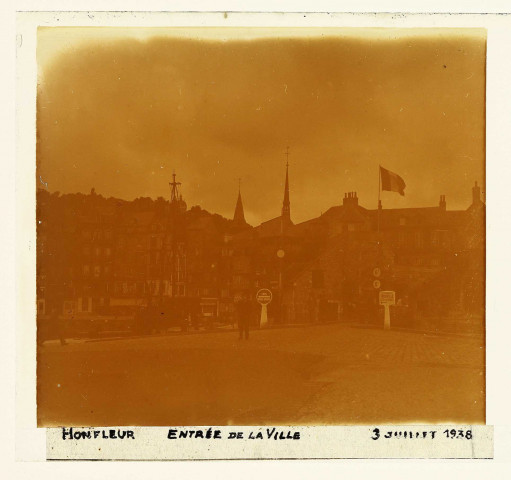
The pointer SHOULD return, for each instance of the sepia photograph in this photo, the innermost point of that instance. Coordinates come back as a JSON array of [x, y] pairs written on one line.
[[260, 226]]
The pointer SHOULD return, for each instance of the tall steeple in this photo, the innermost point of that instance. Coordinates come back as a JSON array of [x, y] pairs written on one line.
[[286, 205], [239, 214]]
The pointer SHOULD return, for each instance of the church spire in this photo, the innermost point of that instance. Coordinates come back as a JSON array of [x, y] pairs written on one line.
[[239, 214], [286, 205]]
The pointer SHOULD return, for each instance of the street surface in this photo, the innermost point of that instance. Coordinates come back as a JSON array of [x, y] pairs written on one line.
[[324, 374]]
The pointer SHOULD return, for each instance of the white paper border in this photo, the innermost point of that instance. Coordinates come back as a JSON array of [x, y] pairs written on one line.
[[498, 178]]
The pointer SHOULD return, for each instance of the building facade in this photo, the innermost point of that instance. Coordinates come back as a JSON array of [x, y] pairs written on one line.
[[107, 257]]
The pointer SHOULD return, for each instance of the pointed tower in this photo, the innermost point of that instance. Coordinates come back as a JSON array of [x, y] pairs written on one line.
[[239, 214], [286, 205]]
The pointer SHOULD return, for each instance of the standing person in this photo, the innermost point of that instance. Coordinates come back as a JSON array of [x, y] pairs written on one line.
[[243, 310], [195, 314]]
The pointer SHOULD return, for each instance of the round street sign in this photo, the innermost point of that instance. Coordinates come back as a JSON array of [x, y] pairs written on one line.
[[376, 284], [264, 296], [280, 253], [376, 272]]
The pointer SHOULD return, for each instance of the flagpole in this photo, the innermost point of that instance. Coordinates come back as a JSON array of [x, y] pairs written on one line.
[[379, 189]]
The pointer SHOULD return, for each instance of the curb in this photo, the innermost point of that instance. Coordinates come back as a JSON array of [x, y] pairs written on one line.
[[282, 326]]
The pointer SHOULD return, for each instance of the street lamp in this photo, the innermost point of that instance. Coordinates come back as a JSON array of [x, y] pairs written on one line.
[[280, 254]]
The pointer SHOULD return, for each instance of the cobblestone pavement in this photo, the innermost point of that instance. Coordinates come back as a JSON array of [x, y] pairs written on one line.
[[324, 374]]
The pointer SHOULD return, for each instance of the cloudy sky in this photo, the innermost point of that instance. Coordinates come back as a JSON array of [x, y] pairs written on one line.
[[119, 109]]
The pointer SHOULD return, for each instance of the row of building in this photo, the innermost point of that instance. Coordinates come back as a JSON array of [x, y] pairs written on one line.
[[107, 257]]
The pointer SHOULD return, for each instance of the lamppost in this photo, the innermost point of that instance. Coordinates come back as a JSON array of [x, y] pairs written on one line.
[[280, 254]]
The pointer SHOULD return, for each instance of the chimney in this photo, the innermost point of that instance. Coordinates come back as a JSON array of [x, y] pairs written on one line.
[[350, 198], [476, 194], [442, 203]]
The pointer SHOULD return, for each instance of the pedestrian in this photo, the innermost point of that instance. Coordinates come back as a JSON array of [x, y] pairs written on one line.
[[243, 310]]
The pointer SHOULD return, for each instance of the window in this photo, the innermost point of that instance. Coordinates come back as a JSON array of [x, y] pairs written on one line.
[[41, 307], [418, 240], [97, 270], [401, 239], [440, 238], [86, 269], [85, 304], [68, 307], [445, 239]]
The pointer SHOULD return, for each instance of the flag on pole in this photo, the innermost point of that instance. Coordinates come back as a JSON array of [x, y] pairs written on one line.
[[391, 181]]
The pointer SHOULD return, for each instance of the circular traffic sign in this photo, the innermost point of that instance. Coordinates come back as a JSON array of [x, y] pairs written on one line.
[[376, 284], [377, 272], [264, 296]]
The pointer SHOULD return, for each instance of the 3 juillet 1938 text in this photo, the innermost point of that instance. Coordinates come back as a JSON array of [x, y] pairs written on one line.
[[421, 434]]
